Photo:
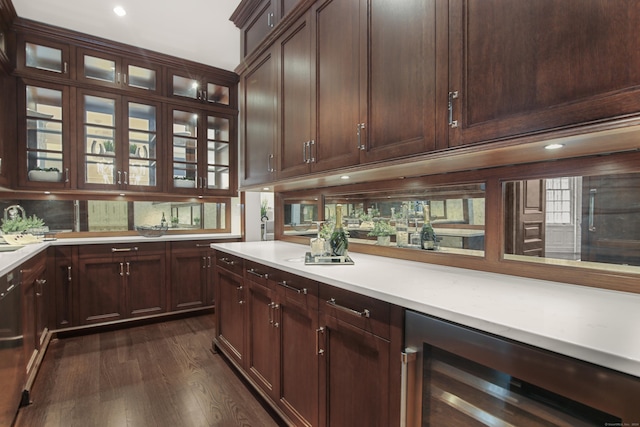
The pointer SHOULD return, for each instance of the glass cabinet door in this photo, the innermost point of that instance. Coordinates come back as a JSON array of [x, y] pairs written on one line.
[[186, 87], [143, 149], [199, 88], [107, 70], [99, 141], [44, 57], [185, 149], [138, 77], [45, 137], [217, 153]]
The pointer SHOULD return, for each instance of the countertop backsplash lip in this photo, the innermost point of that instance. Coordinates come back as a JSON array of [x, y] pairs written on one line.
[[595, 325]]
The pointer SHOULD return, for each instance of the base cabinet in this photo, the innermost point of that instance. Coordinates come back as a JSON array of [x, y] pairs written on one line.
[[35, 292], [316, 363], [120, 282], [191, 275]]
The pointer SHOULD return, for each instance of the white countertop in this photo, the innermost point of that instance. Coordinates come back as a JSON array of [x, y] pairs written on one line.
[[595, 325], [11, 260]]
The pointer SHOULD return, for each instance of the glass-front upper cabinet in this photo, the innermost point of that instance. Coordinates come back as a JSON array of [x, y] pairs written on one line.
[[44, 156], [199, 88], [44, 57], [115, 71], [202, 152], [118, 144]]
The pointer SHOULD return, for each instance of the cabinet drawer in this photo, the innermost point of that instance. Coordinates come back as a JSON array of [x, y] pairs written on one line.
[[128, 249], [257, 273], [296, 290], [364, 312], [230, 263], [191, 244]]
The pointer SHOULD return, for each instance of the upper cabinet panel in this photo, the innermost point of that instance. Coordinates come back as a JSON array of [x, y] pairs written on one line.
[[43, 57], [542, 66], [199, 86]]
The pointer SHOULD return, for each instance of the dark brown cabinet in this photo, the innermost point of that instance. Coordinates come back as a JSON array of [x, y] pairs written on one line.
[[259, 114], [120, 282], [230, 306], [191, 275], [317, 363], [35, 295], [542, 66]]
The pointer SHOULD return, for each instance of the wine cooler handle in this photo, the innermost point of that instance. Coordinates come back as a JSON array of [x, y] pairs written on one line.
[[364, 313], [407, 387], [592, 208]]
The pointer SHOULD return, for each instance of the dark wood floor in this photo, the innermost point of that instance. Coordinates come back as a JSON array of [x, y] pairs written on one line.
[[162, 374]]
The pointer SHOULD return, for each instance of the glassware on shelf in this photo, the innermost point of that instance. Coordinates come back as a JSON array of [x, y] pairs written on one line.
[[414, 239]]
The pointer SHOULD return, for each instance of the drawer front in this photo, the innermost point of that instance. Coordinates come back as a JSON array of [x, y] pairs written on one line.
[[257, 273], [191, 245], [120, 249], [364, 312], [296, 290], [230, 263]]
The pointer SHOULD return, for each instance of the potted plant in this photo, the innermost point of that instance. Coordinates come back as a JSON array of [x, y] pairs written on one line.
[[133, 150], [383, 231], [174, 222], [45, 174], [27, 224], [109, 147], [184, 181]]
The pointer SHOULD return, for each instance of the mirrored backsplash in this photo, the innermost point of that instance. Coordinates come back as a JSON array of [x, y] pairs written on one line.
[[64, 216], [584, 221], [456, 214]]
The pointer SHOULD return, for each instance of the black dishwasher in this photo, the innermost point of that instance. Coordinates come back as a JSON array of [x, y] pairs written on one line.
[[12, 373]]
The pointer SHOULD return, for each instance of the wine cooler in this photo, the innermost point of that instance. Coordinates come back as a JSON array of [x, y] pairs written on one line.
[[457, 376]]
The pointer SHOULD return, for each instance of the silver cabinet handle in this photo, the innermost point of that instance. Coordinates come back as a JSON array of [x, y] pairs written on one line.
[[69, 273], [274, 307], [285, 285], [592, 209], [409, 357], [359, 128], [452, 96], [66, 174], [122, 269], [304, 152], [227, 261], [128, 269], [204, 262], [208, 262], [312, 159], [126, 177], [319, 351], [119, 177], [202, 245], [239, 294], [133, 249], [364, 313], [124, 78], [256, 273], [269, 166], [270, 20]]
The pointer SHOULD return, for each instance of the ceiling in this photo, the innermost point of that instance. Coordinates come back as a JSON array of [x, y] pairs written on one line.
[[197, 30]]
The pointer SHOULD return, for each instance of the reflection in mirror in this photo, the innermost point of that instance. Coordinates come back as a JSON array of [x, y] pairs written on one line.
[[62, 216], [455, 212], [589, 221], [299, 217]]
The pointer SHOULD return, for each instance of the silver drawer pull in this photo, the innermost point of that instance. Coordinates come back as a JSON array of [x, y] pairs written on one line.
[[203, 245], [133, 249], [364, 313], [284, 284], [227, 261], [255, 273]]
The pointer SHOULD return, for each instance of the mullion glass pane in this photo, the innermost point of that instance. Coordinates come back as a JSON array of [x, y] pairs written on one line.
[[142, 78], [99, 69], [44, 132], [43, 58], [142, 144], [184, 86]]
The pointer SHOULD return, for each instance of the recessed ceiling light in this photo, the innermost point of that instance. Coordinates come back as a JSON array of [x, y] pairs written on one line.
[[119, 10], [553, 146]]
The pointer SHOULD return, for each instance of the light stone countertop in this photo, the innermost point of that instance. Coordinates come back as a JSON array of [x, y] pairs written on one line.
[[11, 260], [595, 325]]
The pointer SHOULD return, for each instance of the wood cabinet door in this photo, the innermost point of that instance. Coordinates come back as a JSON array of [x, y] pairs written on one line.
[[354, 378], [263, 330], [400, 76], [230, 313], [299, 358], [296, 145], [146, 290], [188, 279], [64, 276], [541, 66], [258, 26], [338, 49], [258, 121], [100, 294]]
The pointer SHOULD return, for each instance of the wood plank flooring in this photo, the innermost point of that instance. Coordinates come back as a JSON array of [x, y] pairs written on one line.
[[162, 374]]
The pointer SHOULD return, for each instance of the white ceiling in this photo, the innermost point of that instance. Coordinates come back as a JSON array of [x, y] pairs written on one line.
[[198, 30]]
